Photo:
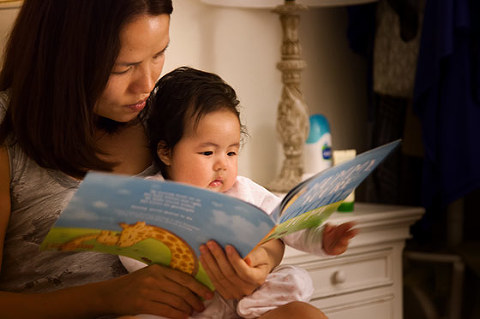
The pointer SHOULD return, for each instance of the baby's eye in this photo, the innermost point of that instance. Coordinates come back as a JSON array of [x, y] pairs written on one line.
[[207, 153], [232, 153]]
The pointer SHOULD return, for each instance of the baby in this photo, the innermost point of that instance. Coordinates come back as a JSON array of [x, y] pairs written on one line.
[[195, 134]]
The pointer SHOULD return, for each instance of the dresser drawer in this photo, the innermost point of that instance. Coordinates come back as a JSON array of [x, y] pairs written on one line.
[[346, 274], [371, 307]]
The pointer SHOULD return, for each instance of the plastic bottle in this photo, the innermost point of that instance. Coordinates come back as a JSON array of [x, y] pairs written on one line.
[[318, 147]]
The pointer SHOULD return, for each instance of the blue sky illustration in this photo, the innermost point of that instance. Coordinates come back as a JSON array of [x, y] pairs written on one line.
[[104, 200]]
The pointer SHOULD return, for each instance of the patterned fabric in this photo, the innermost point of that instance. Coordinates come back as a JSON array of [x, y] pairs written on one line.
[[284, 284], [395, 60], [38, 196], [398, 179]]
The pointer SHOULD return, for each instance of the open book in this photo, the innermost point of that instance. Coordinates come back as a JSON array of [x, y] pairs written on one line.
[[165, 222]]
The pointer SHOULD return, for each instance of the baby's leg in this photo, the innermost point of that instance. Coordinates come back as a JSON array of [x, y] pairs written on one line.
[[217, 308], [285, 284], [142, 317], [296, 309], [214, 308]]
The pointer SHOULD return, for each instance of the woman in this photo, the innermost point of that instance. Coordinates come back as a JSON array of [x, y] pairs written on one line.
[[74, 82], [73, 86]]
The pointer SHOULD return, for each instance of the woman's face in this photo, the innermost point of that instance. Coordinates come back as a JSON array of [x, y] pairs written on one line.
[[137, 67]]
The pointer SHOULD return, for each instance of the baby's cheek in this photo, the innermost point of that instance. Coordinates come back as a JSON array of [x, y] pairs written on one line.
[[228, 184]]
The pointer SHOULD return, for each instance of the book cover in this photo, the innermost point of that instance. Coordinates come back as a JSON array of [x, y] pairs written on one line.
[[165, 222]]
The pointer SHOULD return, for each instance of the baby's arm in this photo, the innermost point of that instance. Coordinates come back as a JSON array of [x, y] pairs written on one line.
[[269, 254], [336, 238], [234, 277], [325, 240]]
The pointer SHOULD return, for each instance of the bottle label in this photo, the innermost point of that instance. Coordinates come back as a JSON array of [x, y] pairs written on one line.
[[326, 152]]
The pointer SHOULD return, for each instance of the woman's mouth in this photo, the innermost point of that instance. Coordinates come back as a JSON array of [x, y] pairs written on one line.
[[137, 107]]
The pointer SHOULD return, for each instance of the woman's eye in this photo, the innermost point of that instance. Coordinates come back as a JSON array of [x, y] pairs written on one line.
[[121, 71], [160, 55]]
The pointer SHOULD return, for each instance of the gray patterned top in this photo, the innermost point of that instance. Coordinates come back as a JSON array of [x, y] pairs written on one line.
[[38, 195]]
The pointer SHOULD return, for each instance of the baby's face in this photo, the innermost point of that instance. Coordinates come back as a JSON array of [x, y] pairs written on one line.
[[207, 157]]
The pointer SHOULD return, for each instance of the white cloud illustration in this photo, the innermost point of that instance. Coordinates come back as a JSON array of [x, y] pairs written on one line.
[[244, 230], [124, 191], [99, 204], [82, 215]]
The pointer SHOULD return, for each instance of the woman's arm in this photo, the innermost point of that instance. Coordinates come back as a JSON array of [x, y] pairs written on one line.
[[234, 277], [156, 290], [4, 197], [153, 290]]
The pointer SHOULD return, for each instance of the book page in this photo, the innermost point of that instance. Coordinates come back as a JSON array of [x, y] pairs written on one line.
[[311, 219], [155, 221], [329, 187]]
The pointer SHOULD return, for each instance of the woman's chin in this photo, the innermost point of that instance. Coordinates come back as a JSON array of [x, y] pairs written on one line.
[[112, 125]]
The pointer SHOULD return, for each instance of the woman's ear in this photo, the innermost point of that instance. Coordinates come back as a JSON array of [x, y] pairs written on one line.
[[164, 153]]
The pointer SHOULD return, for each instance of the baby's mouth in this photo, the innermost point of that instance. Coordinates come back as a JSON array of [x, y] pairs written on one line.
[[216, 183]]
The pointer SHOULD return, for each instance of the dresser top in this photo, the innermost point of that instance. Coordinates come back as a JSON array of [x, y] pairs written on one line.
[[367, 213], [377, 224]]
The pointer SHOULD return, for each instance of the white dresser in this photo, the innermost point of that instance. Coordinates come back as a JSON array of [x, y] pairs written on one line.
[[365, 281]]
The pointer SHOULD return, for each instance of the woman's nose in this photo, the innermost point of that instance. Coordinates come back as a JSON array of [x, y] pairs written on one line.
[[145, 80]]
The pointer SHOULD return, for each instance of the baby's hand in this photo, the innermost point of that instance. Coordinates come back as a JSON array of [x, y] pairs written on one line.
[[336, 238], [232, 276]]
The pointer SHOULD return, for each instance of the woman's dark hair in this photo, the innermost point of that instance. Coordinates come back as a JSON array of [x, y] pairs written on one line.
[[185, 94], [57, 63]]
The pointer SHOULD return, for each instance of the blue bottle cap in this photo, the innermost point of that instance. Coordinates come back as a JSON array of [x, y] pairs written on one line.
[[318, 127]]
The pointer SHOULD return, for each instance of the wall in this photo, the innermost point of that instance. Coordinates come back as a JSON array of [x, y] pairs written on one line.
[[243, 46], [8, 13]]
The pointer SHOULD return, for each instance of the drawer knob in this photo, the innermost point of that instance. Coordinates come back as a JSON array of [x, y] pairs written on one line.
[[339, 277]]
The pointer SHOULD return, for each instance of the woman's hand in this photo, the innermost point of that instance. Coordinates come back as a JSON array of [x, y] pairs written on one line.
[[155, 290], [234, 277], [336, 238]]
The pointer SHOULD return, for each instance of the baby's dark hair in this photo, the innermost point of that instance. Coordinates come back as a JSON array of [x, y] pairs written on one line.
[[183, 95]]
